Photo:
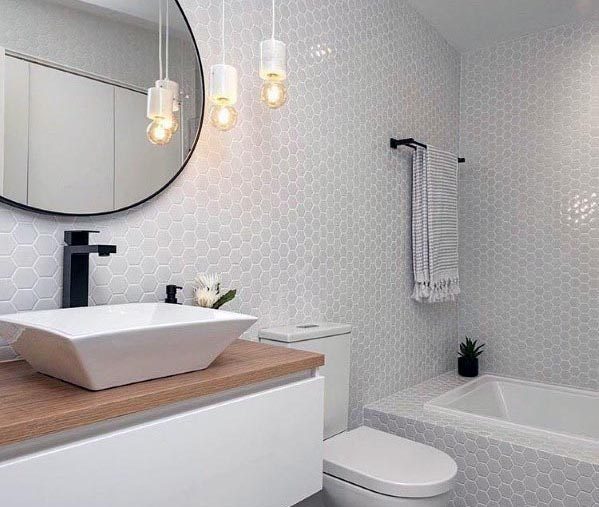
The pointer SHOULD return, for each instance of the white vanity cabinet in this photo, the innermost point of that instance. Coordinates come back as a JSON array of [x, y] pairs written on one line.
[[257, 446]]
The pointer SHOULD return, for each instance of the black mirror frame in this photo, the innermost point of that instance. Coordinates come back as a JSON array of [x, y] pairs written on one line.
[[26, 207]]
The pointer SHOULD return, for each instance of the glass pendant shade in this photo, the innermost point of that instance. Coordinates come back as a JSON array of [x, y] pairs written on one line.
[[273, 94], [223, 117], [158, 134], [273, 60], [223, 84]]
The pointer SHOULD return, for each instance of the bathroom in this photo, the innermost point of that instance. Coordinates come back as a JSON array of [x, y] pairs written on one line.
[[306, 211]]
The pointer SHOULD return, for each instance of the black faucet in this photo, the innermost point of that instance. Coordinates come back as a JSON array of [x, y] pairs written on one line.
[[75, 268]]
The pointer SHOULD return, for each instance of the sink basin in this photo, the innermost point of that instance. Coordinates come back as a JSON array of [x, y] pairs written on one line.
[[98, 347]]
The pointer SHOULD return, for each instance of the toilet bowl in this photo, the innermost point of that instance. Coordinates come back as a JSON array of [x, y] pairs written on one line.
[[369, 468], [337, 493], [364, 467]]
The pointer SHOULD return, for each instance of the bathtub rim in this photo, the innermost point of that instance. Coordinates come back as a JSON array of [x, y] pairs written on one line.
[[435, 405]]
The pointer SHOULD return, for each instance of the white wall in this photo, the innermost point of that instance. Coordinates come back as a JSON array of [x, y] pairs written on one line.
[[530, 205]]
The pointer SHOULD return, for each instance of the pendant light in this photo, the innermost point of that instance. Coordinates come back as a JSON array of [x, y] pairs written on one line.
[[273, 69], [163, 98], [170, 122], [223, 89]]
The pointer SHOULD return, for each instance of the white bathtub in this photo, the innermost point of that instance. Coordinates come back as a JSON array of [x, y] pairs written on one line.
[[561, 411]]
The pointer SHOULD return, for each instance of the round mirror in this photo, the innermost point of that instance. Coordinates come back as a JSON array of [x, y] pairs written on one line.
[[101, 102]]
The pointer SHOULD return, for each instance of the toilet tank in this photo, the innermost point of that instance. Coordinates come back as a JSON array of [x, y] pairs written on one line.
[[332, 340]]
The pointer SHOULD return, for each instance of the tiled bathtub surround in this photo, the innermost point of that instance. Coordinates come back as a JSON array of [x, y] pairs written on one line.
[[497, 467], [529, 201], [305, 209]]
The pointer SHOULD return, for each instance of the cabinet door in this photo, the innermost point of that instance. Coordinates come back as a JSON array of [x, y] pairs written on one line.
[[257, 450], [16, 132], [141, 168], [71, 142]]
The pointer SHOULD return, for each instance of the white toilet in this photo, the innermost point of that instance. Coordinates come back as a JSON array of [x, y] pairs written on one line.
[[364, 467]]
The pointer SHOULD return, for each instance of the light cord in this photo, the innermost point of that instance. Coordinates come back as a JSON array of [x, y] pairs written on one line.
[[223, 32], [273, 19], [167, 37], [160, 37]]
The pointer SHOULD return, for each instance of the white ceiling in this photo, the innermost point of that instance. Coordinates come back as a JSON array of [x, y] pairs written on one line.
[[473, 24]]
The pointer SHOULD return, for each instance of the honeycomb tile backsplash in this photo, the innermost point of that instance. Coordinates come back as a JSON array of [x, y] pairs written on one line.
[[529, 201], [305, 209]]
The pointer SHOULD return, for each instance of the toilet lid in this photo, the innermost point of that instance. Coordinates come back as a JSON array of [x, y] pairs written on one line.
[[389, 464]]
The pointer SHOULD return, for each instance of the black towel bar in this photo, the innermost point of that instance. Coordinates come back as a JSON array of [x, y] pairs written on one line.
[[412, 143]]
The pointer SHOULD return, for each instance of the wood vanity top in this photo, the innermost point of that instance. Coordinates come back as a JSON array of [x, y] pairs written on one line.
[[32, 404]]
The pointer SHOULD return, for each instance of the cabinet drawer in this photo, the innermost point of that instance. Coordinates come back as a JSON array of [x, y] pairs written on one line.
[[259, 450]]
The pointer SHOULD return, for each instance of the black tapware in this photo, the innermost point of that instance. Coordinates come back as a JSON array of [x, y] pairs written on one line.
[[75, 272]]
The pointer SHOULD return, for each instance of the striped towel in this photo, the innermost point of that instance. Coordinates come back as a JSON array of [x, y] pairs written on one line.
[[435, 225]]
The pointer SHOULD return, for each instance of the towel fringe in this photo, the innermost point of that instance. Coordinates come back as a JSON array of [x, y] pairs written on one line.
[[437, 292]]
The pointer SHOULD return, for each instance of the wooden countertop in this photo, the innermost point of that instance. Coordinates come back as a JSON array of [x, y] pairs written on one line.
[[32, 404]]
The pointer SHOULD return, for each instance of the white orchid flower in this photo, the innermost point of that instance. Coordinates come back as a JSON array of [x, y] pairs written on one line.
[[207, 292]]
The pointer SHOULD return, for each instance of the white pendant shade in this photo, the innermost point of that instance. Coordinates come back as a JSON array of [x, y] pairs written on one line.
[[160, 103], [273, 60], [174, 87], [223, 84]]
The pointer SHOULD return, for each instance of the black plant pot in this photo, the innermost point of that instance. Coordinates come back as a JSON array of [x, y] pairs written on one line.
[[468, 366]]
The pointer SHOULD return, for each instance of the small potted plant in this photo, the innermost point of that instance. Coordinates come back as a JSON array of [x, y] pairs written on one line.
[[468, 360]]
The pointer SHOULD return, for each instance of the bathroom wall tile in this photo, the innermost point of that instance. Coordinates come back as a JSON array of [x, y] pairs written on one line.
[[529, 217], [305, 209]]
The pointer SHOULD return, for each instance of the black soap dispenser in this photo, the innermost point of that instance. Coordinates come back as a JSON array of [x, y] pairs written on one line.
[[171, 294]]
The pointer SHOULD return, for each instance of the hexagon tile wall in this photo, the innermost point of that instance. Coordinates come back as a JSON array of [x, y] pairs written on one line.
[[304, 209], [530, 205]]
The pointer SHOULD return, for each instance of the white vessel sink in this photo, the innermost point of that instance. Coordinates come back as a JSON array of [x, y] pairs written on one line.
[[98, 347]]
